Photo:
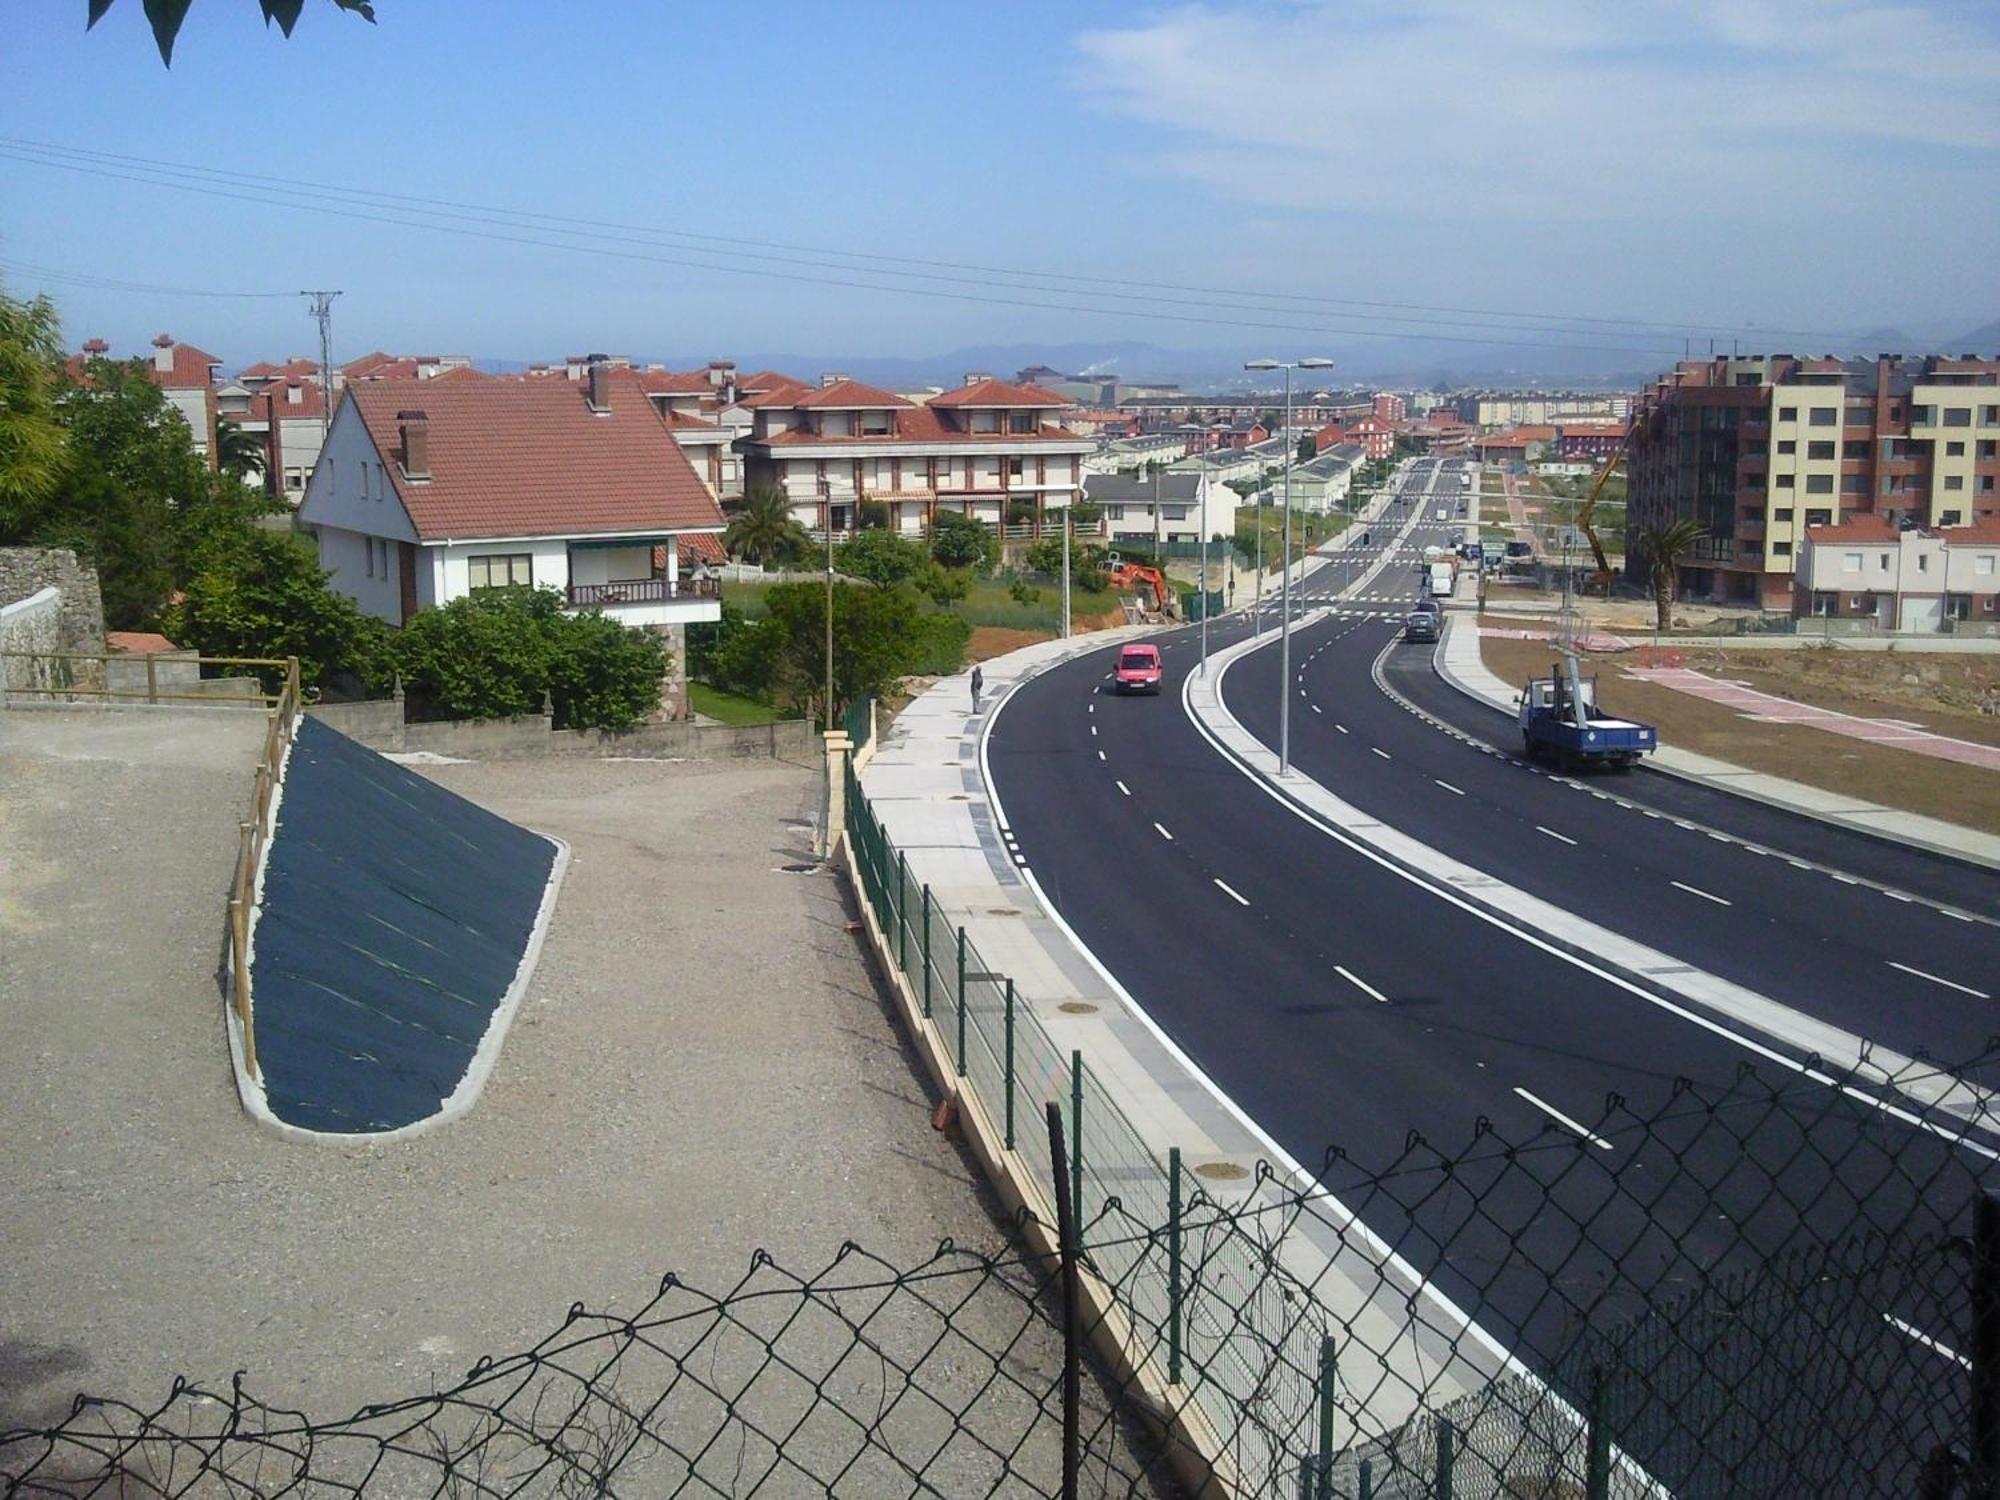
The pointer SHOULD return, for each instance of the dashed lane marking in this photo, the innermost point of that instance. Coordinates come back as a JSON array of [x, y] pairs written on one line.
[[1562, 837], [1564, 1120], [1229, 891], [1697, 891], [1163, 833], [1950, 984], [1361, 984]]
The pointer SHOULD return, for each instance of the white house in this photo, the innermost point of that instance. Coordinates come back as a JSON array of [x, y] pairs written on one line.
[[1174, 506], [430, 489]]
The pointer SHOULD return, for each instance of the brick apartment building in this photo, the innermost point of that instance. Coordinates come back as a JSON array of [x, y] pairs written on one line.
[[1758, 448]]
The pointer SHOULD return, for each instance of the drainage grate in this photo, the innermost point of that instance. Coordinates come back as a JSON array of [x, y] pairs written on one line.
[[1077, 1008], [1222, 1171]]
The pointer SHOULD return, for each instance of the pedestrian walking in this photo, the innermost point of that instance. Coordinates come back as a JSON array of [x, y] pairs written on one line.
[[978, 682]]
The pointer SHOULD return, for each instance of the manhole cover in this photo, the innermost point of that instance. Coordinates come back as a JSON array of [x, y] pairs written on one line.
[[1077, 1008], [1003, 911], [797, 869], [959, 797], [1222, 1171]]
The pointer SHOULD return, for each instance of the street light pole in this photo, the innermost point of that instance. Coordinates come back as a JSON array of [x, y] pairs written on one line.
[[1285, 578]]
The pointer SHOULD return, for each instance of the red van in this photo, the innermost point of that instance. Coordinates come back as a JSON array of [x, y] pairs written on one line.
[[1138, 669]]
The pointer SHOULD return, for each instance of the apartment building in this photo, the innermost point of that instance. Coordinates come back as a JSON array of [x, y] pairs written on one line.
[[1390, 408], [1487, 410], [185, 376], [989, 449], [1173, 507], [1758, 448]]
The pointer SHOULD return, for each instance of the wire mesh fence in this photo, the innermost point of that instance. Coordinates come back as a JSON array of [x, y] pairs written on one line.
[[1783, 1283]]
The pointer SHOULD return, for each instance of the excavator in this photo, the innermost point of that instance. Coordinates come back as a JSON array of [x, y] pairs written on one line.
[[1601, 580], [1143, 579]]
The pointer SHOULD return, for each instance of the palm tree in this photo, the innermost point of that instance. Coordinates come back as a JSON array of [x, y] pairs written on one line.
[[762, 529], [1663, 547], [238, 453]]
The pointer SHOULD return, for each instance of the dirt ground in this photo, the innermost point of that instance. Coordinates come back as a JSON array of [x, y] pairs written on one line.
[[1846, 681], [989, 641]]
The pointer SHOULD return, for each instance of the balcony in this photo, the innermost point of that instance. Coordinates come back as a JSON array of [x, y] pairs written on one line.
[[651, 601]]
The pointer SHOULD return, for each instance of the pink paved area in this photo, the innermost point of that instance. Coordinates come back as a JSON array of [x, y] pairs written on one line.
[[1767, 706]]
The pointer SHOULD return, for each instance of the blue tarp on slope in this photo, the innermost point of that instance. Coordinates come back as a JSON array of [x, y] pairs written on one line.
[[394, 916]]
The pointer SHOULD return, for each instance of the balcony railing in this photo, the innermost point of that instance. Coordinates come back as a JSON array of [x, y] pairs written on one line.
[[644, 591]]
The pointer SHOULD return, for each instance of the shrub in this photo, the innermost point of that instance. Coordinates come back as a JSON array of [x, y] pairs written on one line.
[[958, 541], [881, 557]]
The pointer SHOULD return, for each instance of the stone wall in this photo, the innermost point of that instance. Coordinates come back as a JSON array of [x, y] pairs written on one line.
[[28, 570], [379, 725]]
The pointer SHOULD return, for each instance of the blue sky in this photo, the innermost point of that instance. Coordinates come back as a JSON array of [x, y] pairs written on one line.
[[1804, 164]]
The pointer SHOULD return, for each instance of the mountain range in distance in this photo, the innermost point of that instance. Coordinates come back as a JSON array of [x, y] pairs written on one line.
[[1406, 363]]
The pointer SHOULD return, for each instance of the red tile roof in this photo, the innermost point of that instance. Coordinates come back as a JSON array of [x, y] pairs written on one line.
[[458, 373], [275, 399], [919, 424], [530, 458], [997, 393], [702, 546], [1981, 533], [844, 395], [366, 363], [771, 380], [193, 369], [1857, 528], [668, 383], [681, 421], [138, 642]]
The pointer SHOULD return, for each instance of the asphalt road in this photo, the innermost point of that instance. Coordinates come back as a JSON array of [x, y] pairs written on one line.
[[1341, 1005]]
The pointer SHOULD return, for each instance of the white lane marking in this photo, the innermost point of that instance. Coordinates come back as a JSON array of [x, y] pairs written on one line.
[[1361, 984], [1341, 727], [1091, 709], [1697, 891], [1843, 879], [1926, 1340], [1564, 1120], [1449, 787], [1093, 731], [1383, 753], [1100, 755], [1317, 709], [1565, 838], [1959, 915], [1898, 896], [1229, 891], [1163, 833], [1123, 788], [1950, 984]]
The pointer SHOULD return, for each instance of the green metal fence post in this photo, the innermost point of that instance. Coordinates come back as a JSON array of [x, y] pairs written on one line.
[[1326, 1378], [927, 950], [903, 912], [961, 1002], [1447, 1442], [1007, 1062], [1597, 1442], [1174, 1265], [1076, 1139], [1367, 1480]]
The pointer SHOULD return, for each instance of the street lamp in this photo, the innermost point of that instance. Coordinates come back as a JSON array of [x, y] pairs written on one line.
[[1285, 578]]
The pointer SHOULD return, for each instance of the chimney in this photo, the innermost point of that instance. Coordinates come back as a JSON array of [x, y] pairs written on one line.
[[96, 348], [831, 377], [163, 352], [599, 397], [974, 377], [416, 431]]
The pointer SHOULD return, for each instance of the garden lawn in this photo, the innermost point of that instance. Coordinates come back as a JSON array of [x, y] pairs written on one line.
[[729, 708]]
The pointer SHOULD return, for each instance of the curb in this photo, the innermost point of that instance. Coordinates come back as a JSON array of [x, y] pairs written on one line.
[[1965, 857]]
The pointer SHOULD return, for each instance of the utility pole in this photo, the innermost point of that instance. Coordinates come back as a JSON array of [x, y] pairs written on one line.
[[322, 314], [1069, 516], [1285, 577], [1201, 516]]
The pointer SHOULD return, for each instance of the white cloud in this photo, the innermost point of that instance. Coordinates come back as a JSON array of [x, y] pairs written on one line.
[[1823, 115]]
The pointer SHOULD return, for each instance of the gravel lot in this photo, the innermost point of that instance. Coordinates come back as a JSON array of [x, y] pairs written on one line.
[[701, 1067]]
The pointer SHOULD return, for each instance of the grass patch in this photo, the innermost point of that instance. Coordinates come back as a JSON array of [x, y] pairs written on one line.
[[730, 708], [988, 603]]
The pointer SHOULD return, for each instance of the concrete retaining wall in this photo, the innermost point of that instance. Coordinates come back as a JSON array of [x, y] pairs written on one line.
[[26, 571], [379, 725]]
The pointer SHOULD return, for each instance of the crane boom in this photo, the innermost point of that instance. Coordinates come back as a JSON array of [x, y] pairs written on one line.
[[1603, 578]]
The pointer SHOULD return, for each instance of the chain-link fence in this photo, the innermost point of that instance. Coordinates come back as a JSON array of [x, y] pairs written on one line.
[[1784, 1283]]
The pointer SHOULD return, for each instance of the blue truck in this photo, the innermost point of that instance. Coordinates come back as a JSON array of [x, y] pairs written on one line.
[[1560, 724]]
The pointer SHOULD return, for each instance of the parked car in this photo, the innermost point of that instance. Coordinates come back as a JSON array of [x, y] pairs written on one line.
[[1421, 624], [1138, 669]]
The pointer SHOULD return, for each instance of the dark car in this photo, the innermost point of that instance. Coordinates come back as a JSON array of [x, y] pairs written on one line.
[[1421, 625]]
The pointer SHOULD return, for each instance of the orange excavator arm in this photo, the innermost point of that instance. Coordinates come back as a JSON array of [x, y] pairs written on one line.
[[1603, 578]]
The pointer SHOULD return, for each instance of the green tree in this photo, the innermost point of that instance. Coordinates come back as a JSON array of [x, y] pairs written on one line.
[[944, 587], [263, 593], [876, 640], [498, 652], [238, 453], [1306, 451], [880, 557], [32, 442], [1662, 548], [166, 16], [958, 541], [1046, 556], [762, 529]]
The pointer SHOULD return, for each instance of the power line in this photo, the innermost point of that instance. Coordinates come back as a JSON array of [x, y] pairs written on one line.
[[355, 210], [716, 244], [110, 284]]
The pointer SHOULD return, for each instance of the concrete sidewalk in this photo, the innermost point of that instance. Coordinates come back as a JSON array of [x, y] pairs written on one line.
[[1459, 662]]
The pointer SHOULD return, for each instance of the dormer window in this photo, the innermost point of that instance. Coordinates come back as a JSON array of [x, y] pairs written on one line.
[[986, 421], [876, 423], [1021, 423]]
